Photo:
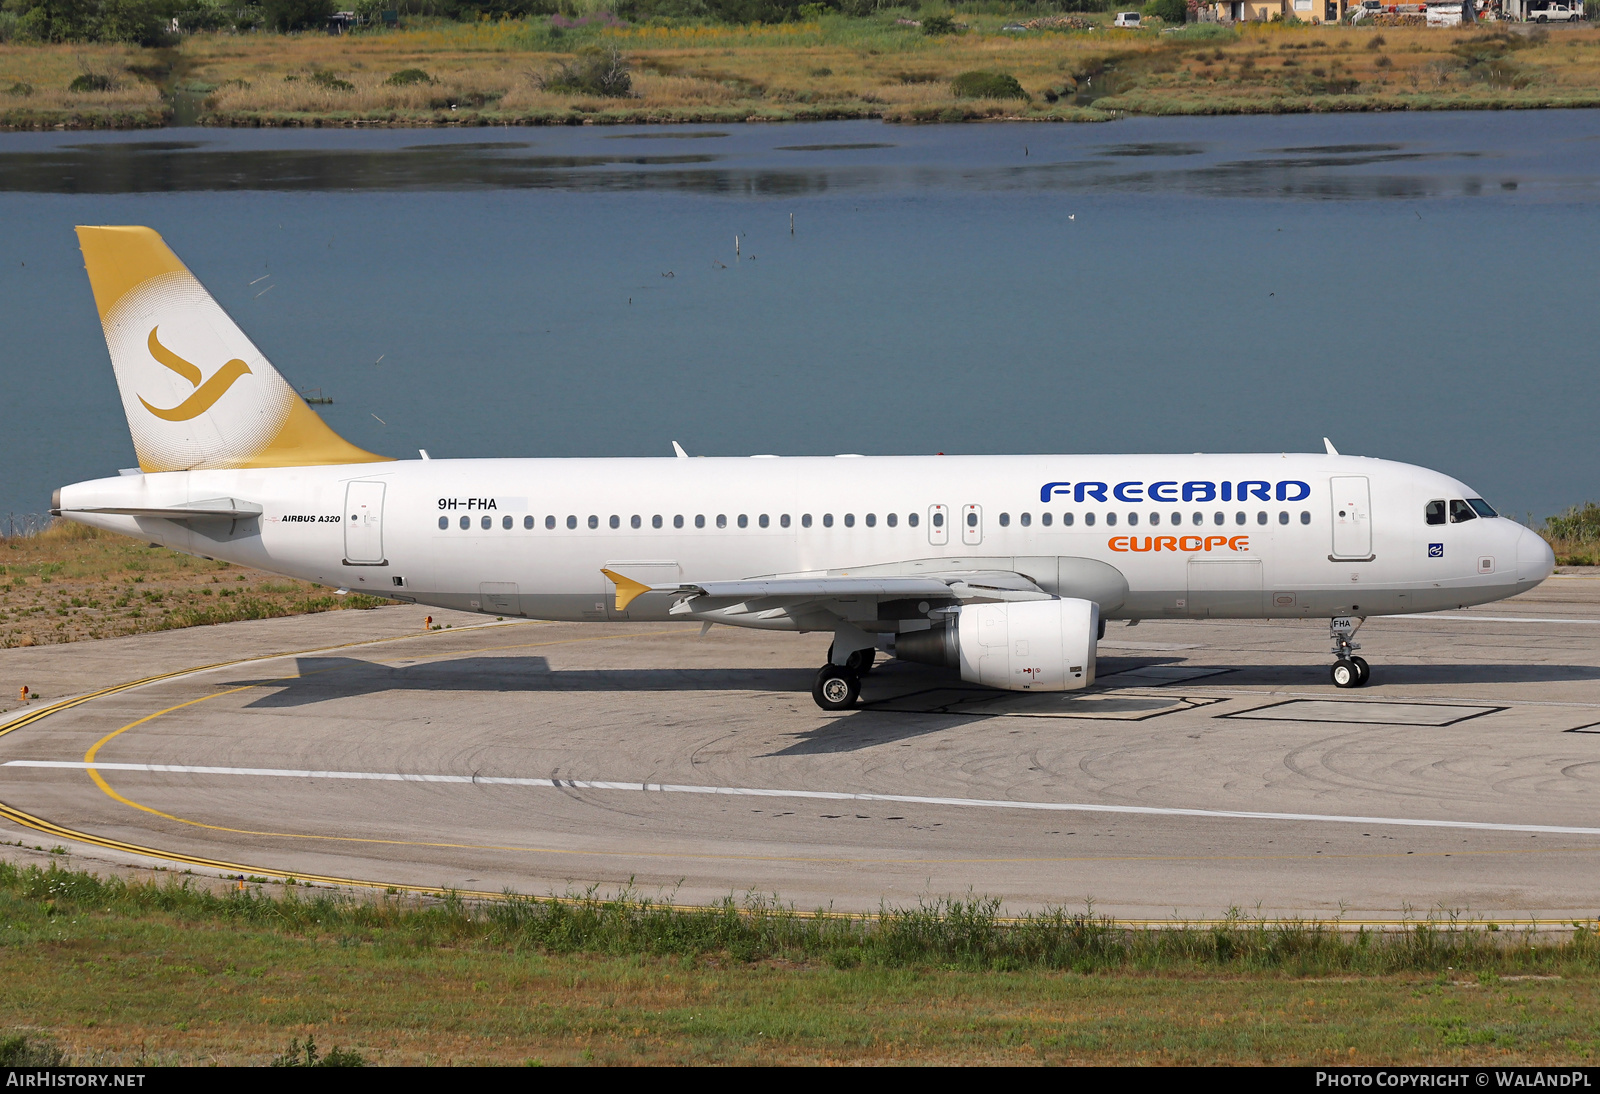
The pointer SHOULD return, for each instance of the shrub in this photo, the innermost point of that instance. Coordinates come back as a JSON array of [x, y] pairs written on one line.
[[596, 70], [987, 85], [91, 81], [287, 15], [29, 1050], [935, 25], [408, 76], [330, 81], [1168, 11], [307, 1056], [20, 89]]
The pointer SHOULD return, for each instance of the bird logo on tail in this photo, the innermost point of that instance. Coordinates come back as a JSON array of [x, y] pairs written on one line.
[[205, 394]]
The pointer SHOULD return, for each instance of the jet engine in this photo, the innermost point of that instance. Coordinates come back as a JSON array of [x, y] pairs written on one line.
[[1020, 645]]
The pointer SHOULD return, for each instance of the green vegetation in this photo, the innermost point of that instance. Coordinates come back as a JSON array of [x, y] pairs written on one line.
[[596, 70], [1575, 535], [987, 85], [408, 76], [177, 973]]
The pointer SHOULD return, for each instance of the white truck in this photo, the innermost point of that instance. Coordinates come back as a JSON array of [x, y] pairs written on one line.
[[1127, 19], [1556, 13]]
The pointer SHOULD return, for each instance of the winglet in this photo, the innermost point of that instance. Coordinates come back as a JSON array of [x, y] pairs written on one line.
[[628, 590], [1332, 451], [678, 451]]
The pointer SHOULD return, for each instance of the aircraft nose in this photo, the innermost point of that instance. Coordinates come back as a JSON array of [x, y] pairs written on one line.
[[1535, 560]]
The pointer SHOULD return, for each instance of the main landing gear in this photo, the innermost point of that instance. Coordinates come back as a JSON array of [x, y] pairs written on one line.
[[1349, 671], [839, 686]]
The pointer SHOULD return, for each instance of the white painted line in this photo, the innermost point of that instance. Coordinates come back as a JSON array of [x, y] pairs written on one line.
[[817, 795], [1468, 617]]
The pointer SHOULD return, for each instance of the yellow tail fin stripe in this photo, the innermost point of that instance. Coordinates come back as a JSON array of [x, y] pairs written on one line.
[[186, 369], [628, 590], [205, 395]]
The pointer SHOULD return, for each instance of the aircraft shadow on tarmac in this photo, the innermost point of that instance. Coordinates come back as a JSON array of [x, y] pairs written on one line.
[[322, 679]]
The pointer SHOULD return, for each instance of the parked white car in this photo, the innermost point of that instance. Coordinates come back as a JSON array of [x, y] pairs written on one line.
[[1557, 13], [1129, 19]]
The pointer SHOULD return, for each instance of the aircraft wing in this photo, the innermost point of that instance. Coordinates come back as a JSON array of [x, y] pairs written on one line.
[[789, 595]]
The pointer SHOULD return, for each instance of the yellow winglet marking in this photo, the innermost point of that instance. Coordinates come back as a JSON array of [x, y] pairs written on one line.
[[204, 396], [628, 590]]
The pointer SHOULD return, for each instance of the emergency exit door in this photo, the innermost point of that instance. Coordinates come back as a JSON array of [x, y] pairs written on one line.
[[363, 524], [1352, 517]]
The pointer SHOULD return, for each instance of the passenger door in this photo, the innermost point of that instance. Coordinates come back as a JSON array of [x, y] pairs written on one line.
[[363, 524], [938, 525], [1352, 517]]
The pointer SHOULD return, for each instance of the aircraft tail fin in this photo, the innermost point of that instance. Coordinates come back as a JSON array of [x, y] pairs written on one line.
[[197, 392]]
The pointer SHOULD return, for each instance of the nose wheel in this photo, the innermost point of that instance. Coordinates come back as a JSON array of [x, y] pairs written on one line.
[[836, 687], [1349, 670]]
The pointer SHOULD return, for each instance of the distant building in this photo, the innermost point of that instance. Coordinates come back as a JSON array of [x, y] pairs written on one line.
[[1263, 11]]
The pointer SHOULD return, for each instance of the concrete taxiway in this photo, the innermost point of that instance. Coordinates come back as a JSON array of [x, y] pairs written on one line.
[[1213, 766]]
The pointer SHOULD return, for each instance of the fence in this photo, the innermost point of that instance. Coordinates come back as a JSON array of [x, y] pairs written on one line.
[[26, 524]]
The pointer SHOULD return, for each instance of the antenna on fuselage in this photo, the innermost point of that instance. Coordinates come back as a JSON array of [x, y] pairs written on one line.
[[678, 451], [1332, 451]]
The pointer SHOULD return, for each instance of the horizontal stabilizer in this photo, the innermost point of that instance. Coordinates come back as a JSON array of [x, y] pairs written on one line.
[[212, 509]]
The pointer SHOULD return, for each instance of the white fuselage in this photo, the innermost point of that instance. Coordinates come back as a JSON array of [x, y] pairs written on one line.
[[1247, 536]]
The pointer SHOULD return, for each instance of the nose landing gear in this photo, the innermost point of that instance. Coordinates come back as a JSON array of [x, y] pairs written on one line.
[[1349, 671]]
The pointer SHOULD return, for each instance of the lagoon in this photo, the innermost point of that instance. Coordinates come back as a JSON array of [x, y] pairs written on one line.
[[1420, 287]]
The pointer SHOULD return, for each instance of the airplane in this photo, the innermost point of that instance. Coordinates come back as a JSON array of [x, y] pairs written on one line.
[[1004, 569]]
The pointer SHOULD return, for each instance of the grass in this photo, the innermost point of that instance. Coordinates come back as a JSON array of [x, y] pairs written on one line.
[[498, 73], [73, 582], [114, 972]]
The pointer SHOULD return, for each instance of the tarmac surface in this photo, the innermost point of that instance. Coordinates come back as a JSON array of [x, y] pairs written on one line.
[[1213, 766]]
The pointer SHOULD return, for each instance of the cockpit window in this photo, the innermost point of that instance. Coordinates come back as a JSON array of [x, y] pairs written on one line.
[[1460, 511], [1434, 512], [1482, 507]]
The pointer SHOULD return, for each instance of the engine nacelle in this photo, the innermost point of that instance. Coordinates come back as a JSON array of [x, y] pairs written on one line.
[[1024, 645]]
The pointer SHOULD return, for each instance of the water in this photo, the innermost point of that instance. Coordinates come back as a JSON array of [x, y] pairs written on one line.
[[1418, 287]]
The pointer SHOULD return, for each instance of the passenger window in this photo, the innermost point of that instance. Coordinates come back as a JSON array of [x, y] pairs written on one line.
[[1199, 518], [1305, 516], [655, 521], [849, 520], [1283, 516], [784, 520], [1133, 519], [1218, 518], [699, 520], [764, 520], [827, 520], [891, 519], [677, 521], [1155, 519], [1005, 519], [635, 521], [505, 521], [486, 522], [466, 522], [1044, 519], [1088, 519], [1177, 520], [594, 521], [616, 521], [1111, 520], [1066, 520], [1460, 511], [1238, 518], [1433, 512], [805, 520], [1026, 519], [1261, 517], [722, 520], [527, 522], [872, 520], [744, 521], [550, 522], [444, 522], [912, 519]]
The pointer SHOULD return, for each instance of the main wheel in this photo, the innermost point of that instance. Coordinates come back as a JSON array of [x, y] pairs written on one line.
[[1345, 674], [837, 688], [861, 661], [1363, 670]]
